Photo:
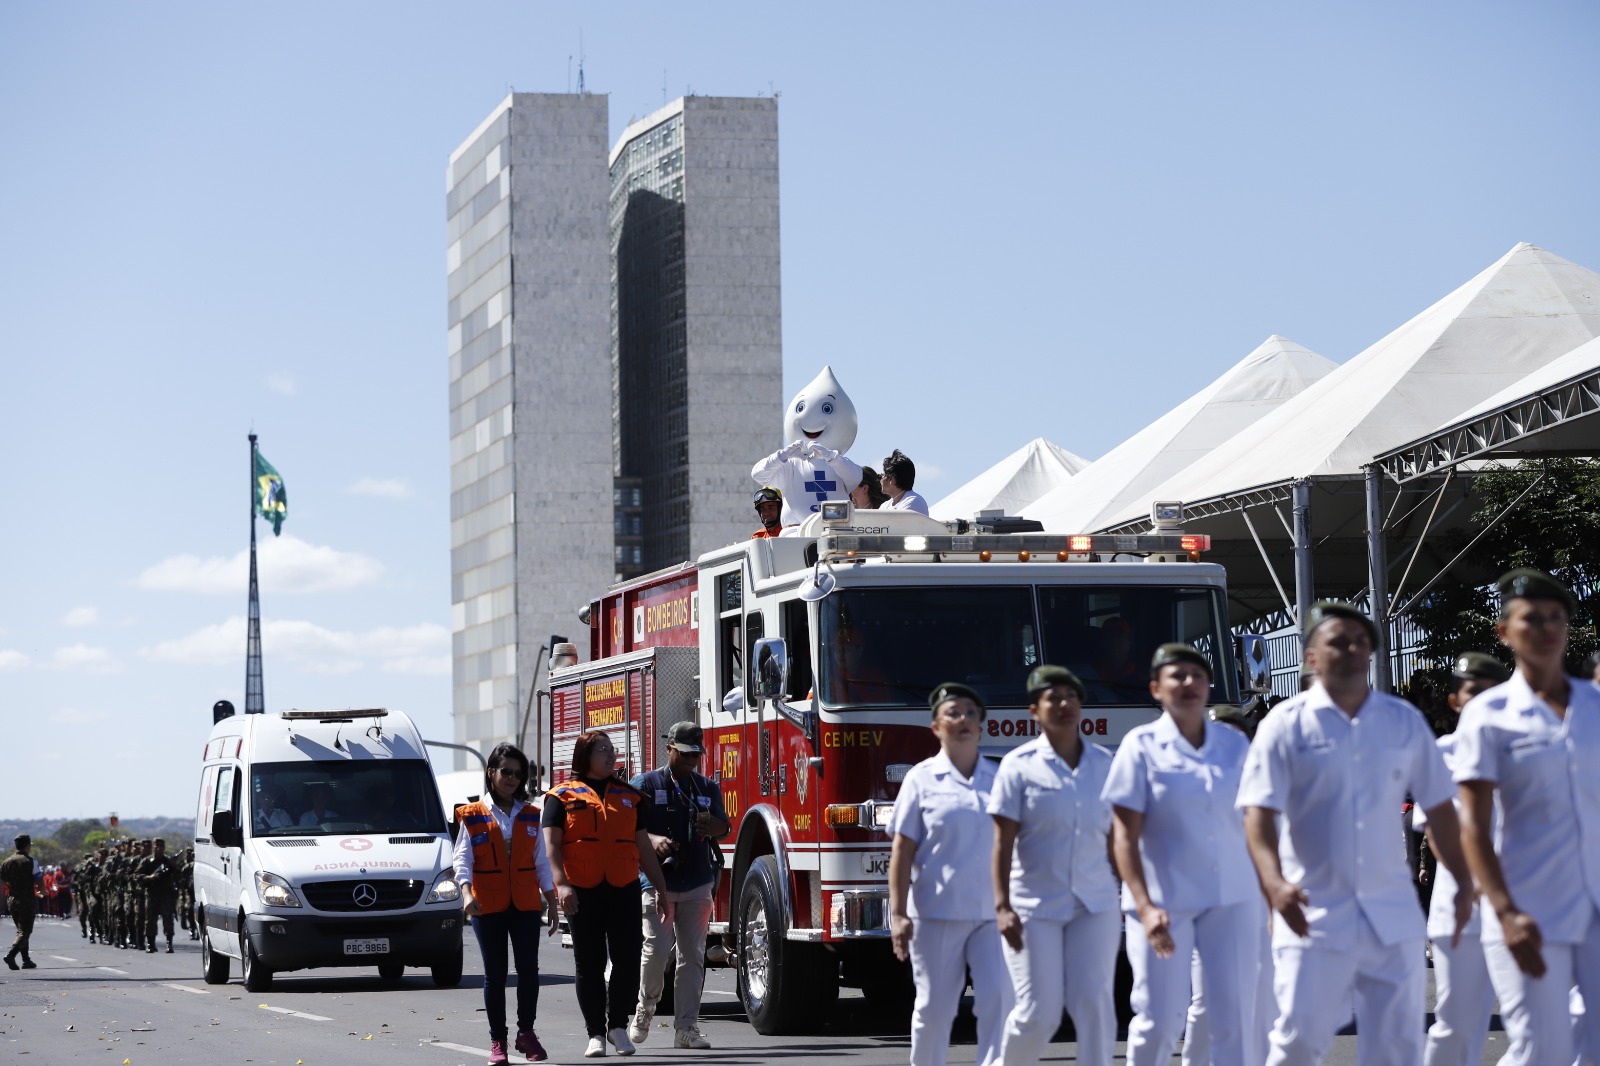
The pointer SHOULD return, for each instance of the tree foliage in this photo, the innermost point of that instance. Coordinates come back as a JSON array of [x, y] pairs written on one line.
[[1556, 528]]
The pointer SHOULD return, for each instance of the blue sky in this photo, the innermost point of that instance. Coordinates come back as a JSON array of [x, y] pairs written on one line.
[[1000, 221]]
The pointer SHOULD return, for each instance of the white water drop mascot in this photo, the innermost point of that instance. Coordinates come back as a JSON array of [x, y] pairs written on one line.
[[819, 424]]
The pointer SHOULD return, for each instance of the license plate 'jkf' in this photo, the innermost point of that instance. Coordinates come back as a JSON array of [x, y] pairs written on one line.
[[379, 946]]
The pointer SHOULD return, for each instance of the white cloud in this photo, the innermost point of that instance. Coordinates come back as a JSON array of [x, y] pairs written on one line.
[[76, 716], [418, 650], [82, 657], [282, 384], [12, 660], [388, 488], [81, 616], [285, 564]]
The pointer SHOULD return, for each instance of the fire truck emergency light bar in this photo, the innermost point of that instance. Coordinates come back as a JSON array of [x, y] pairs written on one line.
[[1075, 548]]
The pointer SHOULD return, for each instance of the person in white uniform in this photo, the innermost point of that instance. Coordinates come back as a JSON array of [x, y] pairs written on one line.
[[899, 474], [1464, 999], [941, 916], [1334, 764], [1187, 882], [1055, 896], [1535, 742]]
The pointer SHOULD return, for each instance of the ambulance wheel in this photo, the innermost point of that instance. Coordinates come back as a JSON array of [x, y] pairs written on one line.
[[781, 982], [391, 972], [213, 963], [446, 972], [257, 978]]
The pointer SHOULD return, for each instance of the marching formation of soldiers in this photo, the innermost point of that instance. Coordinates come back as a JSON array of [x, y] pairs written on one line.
[[125, 890]]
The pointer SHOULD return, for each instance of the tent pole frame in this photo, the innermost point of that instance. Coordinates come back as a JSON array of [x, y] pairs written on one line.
[[1267, 560], [1304, 581], [1378, 581]]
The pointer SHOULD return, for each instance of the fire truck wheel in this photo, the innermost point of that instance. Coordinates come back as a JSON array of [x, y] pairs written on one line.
[[780, 980]]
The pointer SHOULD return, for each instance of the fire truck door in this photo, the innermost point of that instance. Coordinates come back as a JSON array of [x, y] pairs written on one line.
[[759, 731]]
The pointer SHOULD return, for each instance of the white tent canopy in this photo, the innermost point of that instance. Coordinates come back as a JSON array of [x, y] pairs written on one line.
[[1013, 483], [1524, 311], [1118, 484]]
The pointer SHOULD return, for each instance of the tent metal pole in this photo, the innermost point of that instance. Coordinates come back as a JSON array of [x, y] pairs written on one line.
[[1271, 570], [1304, 596], [1378, 581]]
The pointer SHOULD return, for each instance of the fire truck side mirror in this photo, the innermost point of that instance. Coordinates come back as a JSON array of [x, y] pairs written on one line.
[[772, 668], [1255, 663]]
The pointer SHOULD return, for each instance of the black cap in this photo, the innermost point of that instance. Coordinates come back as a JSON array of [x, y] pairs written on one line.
[[22, 842], [1048, 676], [685, 736], [1533, 585], [1177, 652], [1470, 664], [950, 690], [768, 494], [1325, 610]]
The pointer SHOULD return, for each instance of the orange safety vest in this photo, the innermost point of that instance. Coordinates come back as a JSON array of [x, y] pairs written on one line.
[[495, 886], [598, 842]]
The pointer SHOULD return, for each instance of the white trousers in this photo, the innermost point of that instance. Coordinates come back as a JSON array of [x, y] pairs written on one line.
[[1226, 939], [1538, 1013], [1197, 1027], [691, 915], [1463, 1003], [941, 954], [1071, 964], [1313, 984]]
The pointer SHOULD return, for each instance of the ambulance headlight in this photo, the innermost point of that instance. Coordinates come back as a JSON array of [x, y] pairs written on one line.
[[445, 889], [275, 891]]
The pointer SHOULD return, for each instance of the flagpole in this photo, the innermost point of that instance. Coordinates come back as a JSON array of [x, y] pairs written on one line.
[[254, 700]]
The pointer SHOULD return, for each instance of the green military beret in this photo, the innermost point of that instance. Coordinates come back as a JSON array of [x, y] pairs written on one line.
[[1533, 585], [1326, 610], [1478, 664], [1177, 652], [950, 690], [1047, 676]]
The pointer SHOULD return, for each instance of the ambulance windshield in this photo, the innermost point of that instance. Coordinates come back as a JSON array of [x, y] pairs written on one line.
[[370, 796], [891, 646]]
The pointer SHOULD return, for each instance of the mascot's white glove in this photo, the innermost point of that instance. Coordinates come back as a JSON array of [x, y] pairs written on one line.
[[821, 453], [793, 451]]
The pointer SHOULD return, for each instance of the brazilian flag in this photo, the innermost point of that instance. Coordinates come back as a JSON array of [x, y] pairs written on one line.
[[272, 502]]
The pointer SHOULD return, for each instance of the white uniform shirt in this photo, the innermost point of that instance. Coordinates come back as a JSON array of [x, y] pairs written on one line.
[[463, 857], [1340, 785], [947, 816], [1442, 904], [908, 501], [1059, 865], [1192, 842], [1547, 771]]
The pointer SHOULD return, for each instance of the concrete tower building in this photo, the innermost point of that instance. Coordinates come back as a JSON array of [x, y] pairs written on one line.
[[696, 348], [615, 367], [530, 398]]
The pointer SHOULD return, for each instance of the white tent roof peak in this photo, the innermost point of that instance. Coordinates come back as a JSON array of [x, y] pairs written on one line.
[[1013, 483], [1526, 309], [1118, 484]]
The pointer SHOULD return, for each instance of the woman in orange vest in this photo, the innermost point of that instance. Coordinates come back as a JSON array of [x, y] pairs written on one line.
[[505, 882], [598, 844]]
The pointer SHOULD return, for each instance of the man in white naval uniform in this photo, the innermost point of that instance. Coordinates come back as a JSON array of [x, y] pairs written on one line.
[[1535, 741], [1335, 764]]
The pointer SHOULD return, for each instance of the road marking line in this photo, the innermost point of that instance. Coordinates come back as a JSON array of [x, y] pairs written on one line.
[[186, 988], [112, 969], [716, 992], [297, 1014], [64, 958], [463, 1048]]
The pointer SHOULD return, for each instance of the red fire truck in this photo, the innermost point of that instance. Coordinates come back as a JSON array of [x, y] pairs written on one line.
[[808, 659]]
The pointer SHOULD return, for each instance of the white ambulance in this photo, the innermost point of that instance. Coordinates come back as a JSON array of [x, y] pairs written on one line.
[[320, 840]]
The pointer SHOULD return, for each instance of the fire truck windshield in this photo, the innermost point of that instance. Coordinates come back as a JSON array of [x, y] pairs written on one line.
[[890, 646]]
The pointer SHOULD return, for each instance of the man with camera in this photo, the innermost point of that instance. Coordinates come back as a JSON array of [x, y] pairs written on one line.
[[685, 819]]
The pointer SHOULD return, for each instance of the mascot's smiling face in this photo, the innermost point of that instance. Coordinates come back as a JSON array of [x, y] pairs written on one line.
[[822, 413]]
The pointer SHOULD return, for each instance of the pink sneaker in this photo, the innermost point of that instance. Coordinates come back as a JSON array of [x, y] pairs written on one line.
[[528, 1044], [497, 1052]]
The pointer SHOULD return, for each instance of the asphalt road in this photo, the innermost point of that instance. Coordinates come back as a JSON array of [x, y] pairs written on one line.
[[87, 1003]]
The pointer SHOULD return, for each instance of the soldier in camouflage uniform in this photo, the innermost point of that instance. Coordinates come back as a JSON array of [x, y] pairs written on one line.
[[161, 896], [186, 893], [99, 920], [84, 883], [139, 898], [117, 894]]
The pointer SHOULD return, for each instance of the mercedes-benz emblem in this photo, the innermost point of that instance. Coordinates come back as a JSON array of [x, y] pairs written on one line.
[[364, 895]]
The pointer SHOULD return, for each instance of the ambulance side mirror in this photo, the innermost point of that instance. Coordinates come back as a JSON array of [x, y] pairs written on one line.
[[1255, 663]]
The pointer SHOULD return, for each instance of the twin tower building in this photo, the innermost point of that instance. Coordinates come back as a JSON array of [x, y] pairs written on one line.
[[615, 365]]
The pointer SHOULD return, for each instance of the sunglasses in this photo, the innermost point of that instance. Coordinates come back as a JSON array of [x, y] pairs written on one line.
[[510, 771]]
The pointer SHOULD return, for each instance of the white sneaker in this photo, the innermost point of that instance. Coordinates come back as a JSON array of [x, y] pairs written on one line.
[[619, 1037], [639, 1029], [596, 1048], [691, 1038]]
